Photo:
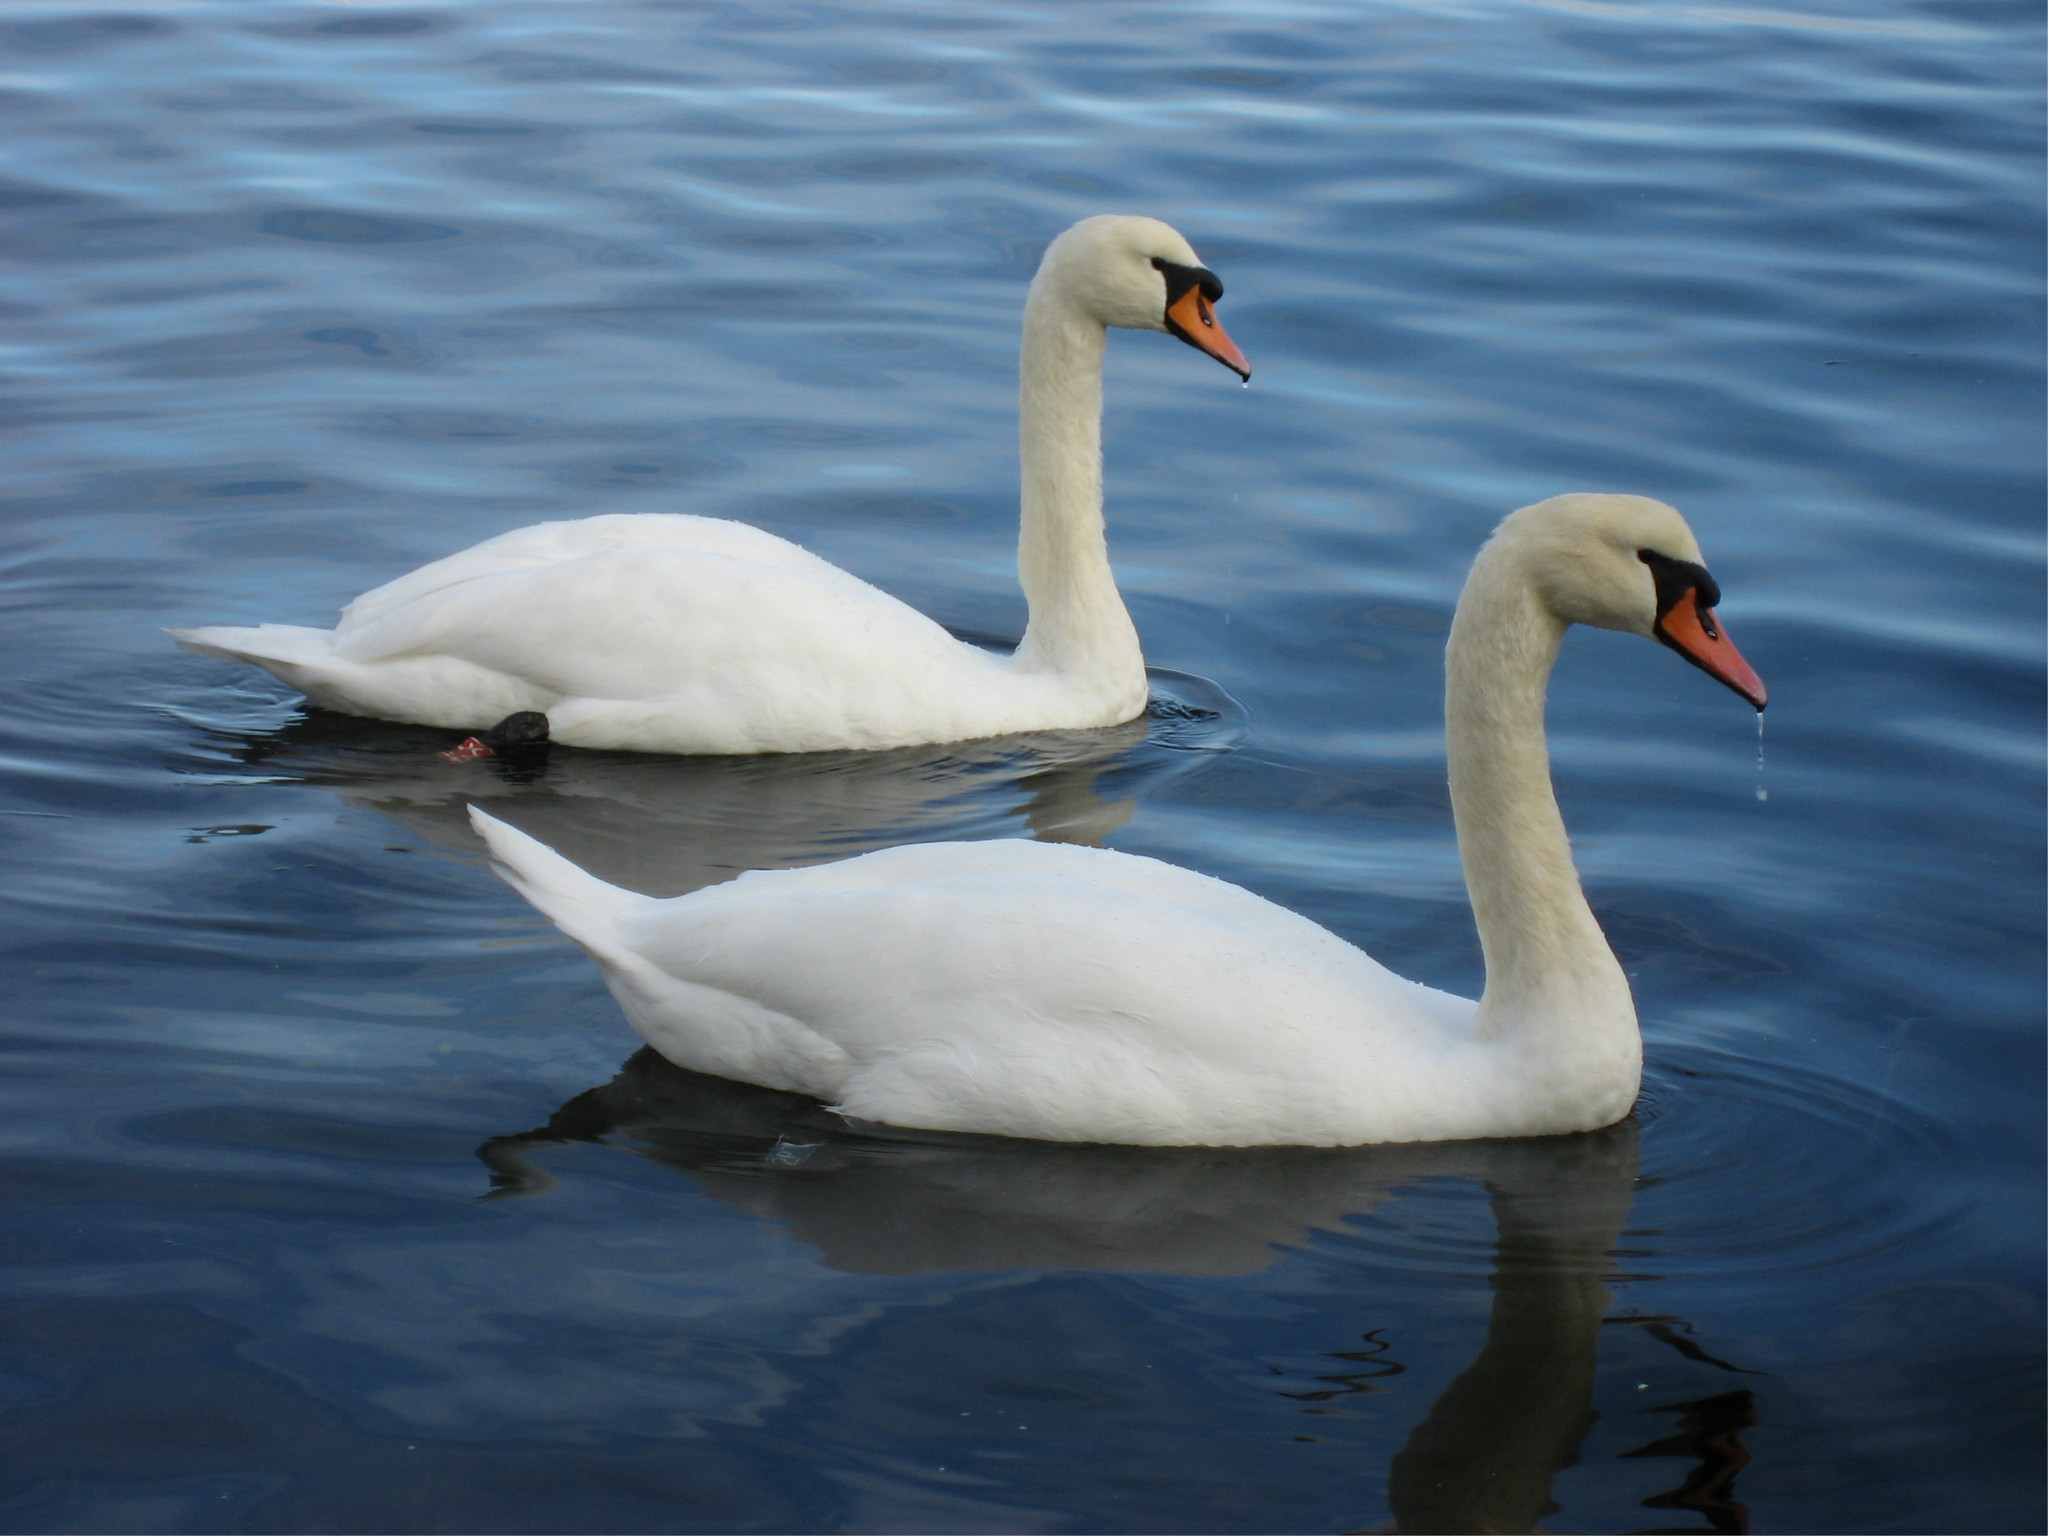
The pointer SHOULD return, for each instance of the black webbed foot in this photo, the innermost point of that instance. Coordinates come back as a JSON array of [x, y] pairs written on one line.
[[528, 728], [521, 735]]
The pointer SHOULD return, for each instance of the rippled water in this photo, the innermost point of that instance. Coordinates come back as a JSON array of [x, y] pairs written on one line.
[[304, 294]]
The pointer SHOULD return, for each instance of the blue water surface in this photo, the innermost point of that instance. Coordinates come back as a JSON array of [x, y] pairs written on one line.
[[301, 294]]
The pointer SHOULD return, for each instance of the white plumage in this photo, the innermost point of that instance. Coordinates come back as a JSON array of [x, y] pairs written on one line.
[[648, 632], [1074, 994], [1016, 988]]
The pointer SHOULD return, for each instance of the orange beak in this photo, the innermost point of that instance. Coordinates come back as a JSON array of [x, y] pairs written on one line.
[[1692, 631], [1192, 318]]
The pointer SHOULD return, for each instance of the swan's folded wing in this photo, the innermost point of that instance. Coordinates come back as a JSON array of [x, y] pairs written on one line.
[[1004, 948], [652, 623], [1039, 1004]]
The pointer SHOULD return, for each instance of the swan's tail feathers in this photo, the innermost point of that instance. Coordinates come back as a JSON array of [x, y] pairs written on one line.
[[303, 658], [581, 905], [267, 645]]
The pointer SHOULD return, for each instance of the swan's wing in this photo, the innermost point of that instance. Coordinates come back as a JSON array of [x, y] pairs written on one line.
[[546, 544], [652, 622], [1060, 993], [1072, 928]]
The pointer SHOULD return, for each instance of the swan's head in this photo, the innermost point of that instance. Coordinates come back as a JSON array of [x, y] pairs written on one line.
[[1628, 563], [1141, 275]]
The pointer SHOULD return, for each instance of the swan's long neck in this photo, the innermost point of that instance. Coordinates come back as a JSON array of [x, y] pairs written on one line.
[[1078, 624], [1552, 983]]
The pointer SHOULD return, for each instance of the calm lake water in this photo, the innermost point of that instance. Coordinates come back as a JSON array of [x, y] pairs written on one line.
[[302, 295]]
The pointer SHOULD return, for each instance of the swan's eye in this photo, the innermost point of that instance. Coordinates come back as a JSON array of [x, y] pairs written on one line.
[[1675, 578]]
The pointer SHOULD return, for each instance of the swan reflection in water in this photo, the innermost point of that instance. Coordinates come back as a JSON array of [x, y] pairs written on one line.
[[664, 826], [881, 1200]]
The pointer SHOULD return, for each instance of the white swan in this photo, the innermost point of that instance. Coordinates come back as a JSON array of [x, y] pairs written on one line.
[[662, 633], [1073, 994]]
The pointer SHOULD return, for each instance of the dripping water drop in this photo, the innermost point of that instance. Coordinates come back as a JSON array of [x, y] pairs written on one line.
[[1761, 792]]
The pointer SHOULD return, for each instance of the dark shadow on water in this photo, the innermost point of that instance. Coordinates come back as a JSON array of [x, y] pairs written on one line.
[[667, 825], [1485, 1456], [883, 1200]]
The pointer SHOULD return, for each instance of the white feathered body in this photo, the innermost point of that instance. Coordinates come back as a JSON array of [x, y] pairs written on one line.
[[1047, 991], [664, 633]]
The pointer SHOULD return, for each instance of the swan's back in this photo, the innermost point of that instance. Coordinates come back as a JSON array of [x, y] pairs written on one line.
[[549, 544]]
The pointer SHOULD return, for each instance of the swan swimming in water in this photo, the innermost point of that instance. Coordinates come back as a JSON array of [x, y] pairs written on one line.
[[667, 633], [1074, 994]]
